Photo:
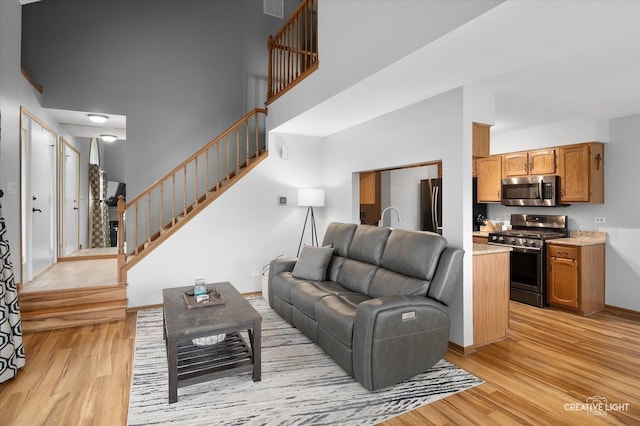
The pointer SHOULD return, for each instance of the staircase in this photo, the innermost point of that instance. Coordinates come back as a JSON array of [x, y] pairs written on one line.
[[47, 310], [168, 204], [164, 207]]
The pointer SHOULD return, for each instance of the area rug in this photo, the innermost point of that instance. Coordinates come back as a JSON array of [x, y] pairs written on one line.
[[300, 385]]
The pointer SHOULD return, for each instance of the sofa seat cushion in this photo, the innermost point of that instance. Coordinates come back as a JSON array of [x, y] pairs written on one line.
[[282, 283], [304, 295], [336, 314]]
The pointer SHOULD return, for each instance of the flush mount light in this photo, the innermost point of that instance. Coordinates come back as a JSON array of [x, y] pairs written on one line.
[[98, 118], [108, 138]]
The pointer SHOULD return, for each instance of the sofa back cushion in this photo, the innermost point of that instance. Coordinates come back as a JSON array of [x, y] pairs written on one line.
[[356, 275], [413, 253], [368, 244], [408, 264], [339, 236]]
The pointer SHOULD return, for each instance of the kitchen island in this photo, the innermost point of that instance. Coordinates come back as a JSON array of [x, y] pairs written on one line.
[[490, 293]]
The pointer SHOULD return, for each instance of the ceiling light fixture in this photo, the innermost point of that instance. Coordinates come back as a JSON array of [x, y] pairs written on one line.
[[108, 138], [98, 118]]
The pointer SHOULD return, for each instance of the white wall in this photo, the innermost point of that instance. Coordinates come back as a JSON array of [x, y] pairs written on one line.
[[622, 197], [240, 232], [431, 130]]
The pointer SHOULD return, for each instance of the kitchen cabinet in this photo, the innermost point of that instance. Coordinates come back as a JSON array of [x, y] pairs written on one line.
[[481, 140], [575, 277], [490, 293], [581, 171], [489, 174], [538, 162], [370, 197], [368, 187]]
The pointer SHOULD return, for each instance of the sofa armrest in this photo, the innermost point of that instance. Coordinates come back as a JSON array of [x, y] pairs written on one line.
[[281, 264], [397, 337]]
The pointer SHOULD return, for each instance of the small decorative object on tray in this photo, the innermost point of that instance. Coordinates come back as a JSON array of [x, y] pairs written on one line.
[[210, 297]]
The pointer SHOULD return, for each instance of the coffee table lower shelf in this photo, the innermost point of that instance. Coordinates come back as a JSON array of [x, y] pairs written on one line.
[[198, 364]]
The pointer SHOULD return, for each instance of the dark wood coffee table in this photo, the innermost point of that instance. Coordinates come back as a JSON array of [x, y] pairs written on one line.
[[189, 363]]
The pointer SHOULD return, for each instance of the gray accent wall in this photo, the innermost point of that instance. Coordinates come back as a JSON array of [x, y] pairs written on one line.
[[181, 71]]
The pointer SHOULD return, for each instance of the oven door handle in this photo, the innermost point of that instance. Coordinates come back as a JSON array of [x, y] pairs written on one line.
[[518, 248]]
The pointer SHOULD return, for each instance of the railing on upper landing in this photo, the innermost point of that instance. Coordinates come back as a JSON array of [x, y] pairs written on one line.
[[171, 201], [293, 51]]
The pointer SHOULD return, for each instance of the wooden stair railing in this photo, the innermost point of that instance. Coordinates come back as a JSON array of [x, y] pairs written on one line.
[[293, 51], [170, 202]]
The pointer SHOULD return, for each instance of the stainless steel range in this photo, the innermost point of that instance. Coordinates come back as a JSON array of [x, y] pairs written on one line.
[[527, 237]]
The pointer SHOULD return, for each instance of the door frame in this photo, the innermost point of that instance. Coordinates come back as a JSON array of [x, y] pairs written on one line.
[[25, 203], [61, 194]]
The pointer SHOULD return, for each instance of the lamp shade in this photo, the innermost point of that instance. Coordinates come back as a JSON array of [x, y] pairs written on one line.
[[311, 197]]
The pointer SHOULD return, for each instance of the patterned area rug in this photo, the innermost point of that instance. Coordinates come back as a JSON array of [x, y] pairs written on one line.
[[300, 385]]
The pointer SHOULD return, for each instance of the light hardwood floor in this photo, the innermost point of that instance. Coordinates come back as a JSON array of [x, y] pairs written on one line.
[[89, 272], [543, 373]]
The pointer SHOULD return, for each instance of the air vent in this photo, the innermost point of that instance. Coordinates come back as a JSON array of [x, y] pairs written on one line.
[[274, 8]]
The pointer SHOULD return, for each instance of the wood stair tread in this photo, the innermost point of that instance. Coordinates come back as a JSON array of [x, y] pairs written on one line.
[[74, 309]]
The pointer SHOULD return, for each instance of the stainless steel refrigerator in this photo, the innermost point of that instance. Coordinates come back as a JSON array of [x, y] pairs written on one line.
[[431, 205]]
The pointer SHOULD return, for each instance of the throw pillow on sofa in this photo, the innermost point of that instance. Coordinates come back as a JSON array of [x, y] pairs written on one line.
[[312, 263]]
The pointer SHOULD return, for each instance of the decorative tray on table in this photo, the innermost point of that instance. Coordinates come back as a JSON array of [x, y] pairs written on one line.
[[215, 298]]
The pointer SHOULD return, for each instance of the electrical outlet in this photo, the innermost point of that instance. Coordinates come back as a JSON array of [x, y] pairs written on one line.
[[255, 273], [599, 219]]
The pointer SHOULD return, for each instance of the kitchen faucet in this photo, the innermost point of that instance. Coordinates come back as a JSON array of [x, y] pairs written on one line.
[[385, 210]]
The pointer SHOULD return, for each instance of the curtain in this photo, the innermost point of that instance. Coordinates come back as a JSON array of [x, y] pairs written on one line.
[[11, 349]]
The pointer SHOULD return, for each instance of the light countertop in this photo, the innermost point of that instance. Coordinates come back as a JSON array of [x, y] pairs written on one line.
[[480, 249], [581, 238]]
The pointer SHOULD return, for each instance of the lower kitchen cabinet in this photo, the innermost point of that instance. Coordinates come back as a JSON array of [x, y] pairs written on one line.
[[490, 293], [576, 277]]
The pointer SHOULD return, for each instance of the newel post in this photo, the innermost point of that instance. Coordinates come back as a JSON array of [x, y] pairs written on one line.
[[122, 257]]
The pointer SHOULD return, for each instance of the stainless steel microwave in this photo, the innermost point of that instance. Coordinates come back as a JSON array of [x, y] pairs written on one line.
[[530, 191]]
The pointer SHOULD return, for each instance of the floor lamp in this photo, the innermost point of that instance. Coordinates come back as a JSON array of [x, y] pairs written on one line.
[[310, 198]]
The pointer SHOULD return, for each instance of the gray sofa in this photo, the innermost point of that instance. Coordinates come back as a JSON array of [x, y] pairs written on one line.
[[374, 299]]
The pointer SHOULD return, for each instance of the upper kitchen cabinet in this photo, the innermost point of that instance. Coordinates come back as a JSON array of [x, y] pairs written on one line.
[[370, 197], [481, 140], [581, 171], [538, 162], [489, 173], [369, 187]]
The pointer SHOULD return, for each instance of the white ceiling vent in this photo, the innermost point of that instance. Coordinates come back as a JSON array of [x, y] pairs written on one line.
[[274, 8]]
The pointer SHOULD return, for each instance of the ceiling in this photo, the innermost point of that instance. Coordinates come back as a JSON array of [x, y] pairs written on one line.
[[545, 62], [77, 124]]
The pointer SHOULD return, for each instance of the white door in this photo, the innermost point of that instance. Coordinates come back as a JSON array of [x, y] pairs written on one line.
[[38, 196], [70, 196]]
